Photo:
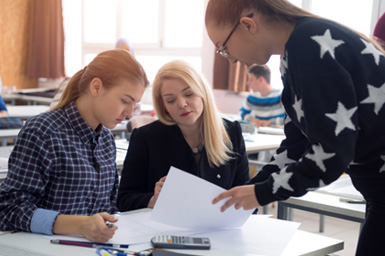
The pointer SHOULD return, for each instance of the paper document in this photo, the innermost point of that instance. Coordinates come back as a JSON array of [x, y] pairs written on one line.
[[185, 202], [342, 187]]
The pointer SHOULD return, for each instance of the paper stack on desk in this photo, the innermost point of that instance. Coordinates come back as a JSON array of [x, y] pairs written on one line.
[[185, 202], [184, 208]]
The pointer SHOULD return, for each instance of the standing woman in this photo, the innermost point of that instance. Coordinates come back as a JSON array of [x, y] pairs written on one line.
[[62, 176], [189, 135], [334, 95]]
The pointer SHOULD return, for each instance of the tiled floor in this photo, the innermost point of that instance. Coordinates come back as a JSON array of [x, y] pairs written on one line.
[[334, 227]]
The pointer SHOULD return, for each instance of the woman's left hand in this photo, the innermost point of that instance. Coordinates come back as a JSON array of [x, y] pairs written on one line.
[[240, 197]]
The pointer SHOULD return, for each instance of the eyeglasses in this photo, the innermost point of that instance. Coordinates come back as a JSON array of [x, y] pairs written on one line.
[[223, 49]]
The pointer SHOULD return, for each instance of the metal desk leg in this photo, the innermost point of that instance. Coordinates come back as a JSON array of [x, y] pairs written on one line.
[[282, 211], [321, 223]]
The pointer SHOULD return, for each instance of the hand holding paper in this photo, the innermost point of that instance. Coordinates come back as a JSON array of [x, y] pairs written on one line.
[[240, 197], [186, 202]]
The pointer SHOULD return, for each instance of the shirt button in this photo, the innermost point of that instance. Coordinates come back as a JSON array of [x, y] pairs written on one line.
[[218, 176]]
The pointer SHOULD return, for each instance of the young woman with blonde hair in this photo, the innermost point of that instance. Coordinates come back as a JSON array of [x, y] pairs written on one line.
[[333, 95], [189, 135], [62, 176]]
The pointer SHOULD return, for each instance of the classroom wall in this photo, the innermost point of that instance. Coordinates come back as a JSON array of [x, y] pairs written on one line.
[[14, 34]]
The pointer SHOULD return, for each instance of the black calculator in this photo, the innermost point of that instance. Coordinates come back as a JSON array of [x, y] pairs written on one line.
[[181, 242]]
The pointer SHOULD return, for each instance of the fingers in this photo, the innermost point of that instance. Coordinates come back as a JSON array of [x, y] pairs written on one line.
[[240, 197], [108, 217], [222, 196], [96, 230]]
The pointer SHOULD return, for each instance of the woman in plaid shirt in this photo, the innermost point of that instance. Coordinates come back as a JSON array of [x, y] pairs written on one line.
[[62, 176]]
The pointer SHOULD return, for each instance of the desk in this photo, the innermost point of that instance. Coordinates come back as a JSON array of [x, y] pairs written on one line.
[[31, 100], [302, 243], [258, 142], [26, 111], [323, 204], [8, 134]]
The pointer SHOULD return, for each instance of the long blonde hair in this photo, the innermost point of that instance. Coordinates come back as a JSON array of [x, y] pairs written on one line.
[[213, 133], [228, 12], [111, 67]]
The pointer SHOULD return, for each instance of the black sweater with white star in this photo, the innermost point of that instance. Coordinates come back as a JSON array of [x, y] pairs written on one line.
[[334, 95]]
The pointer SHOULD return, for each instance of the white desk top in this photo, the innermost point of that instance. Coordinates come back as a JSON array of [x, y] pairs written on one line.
[[26, 111], [302, 243], [257, 142]]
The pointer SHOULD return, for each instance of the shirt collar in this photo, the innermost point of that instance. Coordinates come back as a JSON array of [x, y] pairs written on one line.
[[85, 132]]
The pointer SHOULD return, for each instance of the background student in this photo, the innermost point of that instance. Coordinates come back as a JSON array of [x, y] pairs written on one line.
[[263, 106], [189, 135], [62, 176], [334, 84], [3, 108]]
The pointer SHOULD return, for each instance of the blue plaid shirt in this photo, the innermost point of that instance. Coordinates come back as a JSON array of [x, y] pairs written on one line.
[[59, 165]]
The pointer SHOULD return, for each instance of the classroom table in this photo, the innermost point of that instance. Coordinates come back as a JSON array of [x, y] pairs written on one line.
[[327, 202], [302, 243], [258, 142], [29, 99], [26, 111]]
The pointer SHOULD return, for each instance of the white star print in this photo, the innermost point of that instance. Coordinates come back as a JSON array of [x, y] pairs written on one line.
[[281, 179], [283, 65], [376, 96], [382, 169], [370, 49], [327, 43], [281, 160], [319, 156], [287, 119], [342, 117], [298, 108]]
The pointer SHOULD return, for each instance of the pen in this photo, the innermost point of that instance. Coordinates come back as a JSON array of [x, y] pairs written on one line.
[[350, 201], [88, 244]]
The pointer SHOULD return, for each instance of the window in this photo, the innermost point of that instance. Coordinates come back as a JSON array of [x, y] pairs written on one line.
[[360, 15], [159, 30]]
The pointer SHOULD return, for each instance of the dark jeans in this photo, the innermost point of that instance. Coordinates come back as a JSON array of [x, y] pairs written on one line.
[[372, 236]]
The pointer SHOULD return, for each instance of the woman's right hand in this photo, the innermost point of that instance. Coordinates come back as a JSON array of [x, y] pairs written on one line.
[[157, 189], [94, 227]]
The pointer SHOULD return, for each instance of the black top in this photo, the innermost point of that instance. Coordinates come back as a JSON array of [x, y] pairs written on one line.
[[155, 147], [334, 95]]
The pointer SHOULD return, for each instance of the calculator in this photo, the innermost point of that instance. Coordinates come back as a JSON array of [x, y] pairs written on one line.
[[181, 242]]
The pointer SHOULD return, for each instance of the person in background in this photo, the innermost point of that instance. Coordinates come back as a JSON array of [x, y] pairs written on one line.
[[379, 31], [124, 44], [3, 108], [189, 135], [263, 106], [333, 95], [62, 176]]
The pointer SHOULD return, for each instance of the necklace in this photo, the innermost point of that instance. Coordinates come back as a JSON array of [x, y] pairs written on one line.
[[197, 149]]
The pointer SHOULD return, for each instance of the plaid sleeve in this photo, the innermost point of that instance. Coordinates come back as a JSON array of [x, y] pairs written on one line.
[[25, 182]]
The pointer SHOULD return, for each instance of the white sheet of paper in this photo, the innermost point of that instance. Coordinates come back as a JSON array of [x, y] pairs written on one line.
[[185, 202], [136, 227], [259, 236]]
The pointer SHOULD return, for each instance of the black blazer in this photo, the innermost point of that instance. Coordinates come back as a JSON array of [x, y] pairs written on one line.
[[155, 147]]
